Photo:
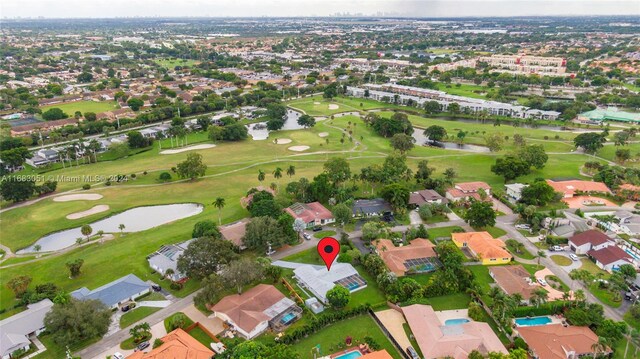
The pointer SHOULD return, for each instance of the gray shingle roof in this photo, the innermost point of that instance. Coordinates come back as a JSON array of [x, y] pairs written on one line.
[[112, 293]]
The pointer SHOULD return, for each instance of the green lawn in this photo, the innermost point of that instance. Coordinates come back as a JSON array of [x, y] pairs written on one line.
[[173, 62], [591, 267], [55, 351], [167, 321], [201, 336], [322, 234], [524, 253], [481, 274], [633, 352], [83, 106], [331, 339], [442, 232], [605, 296], [309, 256], [495, 232], [635, 323], [136, 314], [561, 260]]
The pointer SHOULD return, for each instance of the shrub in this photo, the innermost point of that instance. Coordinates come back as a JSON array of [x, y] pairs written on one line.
[[108, 183], [133, 175], [86, 186], [345, 258], [144, 173], [175, 286], [165, 177], [425, 212], [476, 312], [519, 343], [157, 342]]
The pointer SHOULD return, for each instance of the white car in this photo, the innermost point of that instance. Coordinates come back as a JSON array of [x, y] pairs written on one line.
[[117, 355], [522, 226], [573, 257], [556, 249], [542, 282]]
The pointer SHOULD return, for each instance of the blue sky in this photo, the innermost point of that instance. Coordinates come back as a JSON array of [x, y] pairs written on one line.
[[223, 8]]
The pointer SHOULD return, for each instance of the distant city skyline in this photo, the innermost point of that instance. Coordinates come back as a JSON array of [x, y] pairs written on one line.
[[303, 8]]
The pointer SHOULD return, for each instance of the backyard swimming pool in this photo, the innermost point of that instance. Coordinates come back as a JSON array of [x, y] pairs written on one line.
[[529, 322], [288, 318], [456, 321], [350, 355]]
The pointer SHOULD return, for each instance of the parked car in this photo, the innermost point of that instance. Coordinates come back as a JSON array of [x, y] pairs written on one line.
[[573, 257], [542, 282], [142, 346], [523, 226], [632, 295], [556, 249], [306, 236], [156, 288], [412, 353], [317, 228], [117, 355]]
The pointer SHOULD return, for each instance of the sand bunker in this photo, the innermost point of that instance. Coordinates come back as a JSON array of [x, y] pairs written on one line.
[[316, 103], [298, 148], [333, 107], [282, 141], [190, 148], [78, 197], [323, 134], [93, 210]]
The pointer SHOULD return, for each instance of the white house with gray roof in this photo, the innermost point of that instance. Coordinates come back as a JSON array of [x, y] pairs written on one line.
[[118, 292], [166, 258], [17, 331], [318, 280]]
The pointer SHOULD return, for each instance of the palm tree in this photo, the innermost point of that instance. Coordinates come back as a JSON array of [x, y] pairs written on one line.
[[168, 273], [539, 296], [599, 346], [261, 175], [121, 227], [291, 170], [541, 254], [219, 203], [277, 173], [631, 334]]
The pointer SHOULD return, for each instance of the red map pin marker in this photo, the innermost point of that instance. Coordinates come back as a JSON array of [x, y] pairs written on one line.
[[328, 249]]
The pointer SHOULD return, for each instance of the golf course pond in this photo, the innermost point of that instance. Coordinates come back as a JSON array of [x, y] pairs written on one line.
[[134, 220]]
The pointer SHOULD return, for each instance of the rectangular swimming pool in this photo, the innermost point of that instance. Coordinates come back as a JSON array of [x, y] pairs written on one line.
[[533, 321], [456, 321], [350, 355], [288, 318]]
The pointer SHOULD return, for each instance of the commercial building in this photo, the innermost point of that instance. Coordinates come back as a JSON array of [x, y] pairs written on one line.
[[415, 95]]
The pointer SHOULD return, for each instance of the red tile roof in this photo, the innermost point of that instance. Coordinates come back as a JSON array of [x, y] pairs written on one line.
[[592, 236], [571, 187], [472, 186], [309, 212], [553, 341], [610, 255], [394, 257], [176, 345]]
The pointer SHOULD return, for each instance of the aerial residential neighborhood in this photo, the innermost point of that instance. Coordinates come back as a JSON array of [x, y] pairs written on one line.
[[279, 179]]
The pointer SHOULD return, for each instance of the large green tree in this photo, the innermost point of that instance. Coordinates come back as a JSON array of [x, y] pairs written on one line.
[[338, 170], [480, 215], [435, 133], [262, 232], [591, 142], [192, 167], [534, 155], [77, 321], [538, 193], [17, 190], [338, 297], [204, 256], [510, 167], [403, 143]]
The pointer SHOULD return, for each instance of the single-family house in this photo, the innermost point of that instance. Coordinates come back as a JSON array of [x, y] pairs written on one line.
[[176, 345], [628, 191], [514, 279], [555, 341], [483, 246], [592, 239], [313, 214], [418, 198], [118, 292], [467, 190], [418, 256], [437, 339], [514, 190], [17, 331], [573, 187], [371, 207], [234, 232], [318, 280], [610, 258], [256, 310], [166, 259]]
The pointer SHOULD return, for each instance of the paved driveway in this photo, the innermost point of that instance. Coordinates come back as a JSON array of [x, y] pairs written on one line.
[[213, 324]]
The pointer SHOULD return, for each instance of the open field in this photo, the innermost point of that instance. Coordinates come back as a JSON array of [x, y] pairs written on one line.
[[84, 106], [172, 63]]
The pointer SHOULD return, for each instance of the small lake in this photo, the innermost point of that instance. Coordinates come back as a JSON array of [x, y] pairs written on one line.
[[135, 220], [521, 124], [423, 140], [258, 131]]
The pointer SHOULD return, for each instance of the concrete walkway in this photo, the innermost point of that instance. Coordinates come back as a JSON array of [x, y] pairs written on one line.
[[155, 303], [290, 265], [554, 294], [213, 324], [392, 321]]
